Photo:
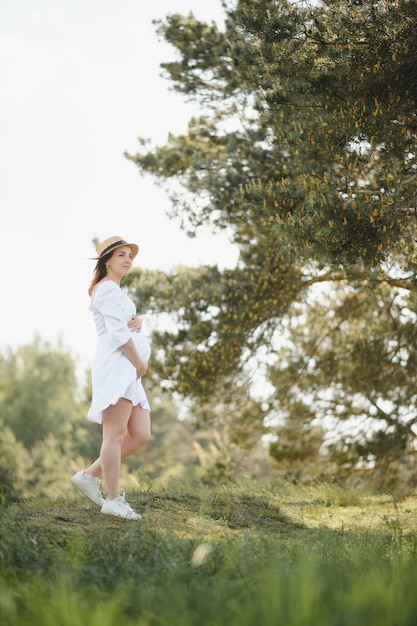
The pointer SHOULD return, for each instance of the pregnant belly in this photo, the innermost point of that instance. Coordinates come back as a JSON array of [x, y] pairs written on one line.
[[142, 345]]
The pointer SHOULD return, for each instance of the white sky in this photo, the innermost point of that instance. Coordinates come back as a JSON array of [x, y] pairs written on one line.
[[80, 82]]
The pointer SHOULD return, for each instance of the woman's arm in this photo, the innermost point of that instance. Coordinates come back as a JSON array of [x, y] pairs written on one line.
[[130, 351]]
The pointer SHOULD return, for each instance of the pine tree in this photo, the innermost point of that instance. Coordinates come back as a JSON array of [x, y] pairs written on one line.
[[306, 153]]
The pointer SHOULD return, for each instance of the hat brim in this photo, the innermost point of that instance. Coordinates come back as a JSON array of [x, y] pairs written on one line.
[[133, 246]]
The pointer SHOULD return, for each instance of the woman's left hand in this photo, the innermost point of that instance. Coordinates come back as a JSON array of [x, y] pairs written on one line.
[[135, 324]]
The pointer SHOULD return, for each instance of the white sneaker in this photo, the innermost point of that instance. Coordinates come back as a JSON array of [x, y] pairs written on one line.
[[90, 486], [120, 508]]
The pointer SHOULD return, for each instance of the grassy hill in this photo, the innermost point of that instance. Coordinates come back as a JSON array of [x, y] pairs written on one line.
[[238, 554]]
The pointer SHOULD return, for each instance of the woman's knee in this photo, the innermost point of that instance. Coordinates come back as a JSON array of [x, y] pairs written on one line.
[[140, 435], [145, 436], [114, 431], [140, 432], [115, 436], [140, 426]]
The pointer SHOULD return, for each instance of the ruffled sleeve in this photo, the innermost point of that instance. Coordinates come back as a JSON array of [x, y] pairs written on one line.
[[108, 302]]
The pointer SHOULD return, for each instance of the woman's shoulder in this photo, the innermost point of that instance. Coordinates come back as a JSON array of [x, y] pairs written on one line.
[[104, 287]]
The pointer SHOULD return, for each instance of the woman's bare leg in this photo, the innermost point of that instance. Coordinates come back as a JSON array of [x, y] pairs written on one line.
[[138, 430], [138, 433], [115, 420]]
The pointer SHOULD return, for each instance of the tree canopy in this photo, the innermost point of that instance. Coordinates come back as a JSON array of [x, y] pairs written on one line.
[[305, 152]]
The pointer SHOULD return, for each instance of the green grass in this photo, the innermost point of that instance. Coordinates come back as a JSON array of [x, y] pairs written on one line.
[[237, 555]]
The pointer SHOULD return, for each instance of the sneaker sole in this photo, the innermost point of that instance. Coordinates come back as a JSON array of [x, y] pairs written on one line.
[[128, 519]]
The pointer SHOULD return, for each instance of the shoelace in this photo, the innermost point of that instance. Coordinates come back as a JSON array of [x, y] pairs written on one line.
[[126, 503]]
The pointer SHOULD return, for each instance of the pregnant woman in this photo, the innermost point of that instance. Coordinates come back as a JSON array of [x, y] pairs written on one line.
[[119, 400]]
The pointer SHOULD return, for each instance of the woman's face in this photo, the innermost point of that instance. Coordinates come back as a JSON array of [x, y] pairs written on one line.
[[120, 262]]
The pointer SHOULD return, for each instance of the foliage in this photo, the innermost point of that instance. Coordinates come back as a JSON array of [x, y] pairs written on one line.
[[38, 390], [305, 153], [14, 463], [45, 436], [40, 416], [354, 372], [230, 555]]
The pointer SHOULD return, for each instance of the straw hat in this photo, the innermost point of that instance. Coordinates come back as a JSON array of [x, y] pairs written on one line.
[[112, 243]]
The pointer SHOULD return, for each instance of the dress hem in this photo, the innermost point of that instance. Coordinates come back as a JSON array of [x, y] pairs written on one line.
[[96, 416]]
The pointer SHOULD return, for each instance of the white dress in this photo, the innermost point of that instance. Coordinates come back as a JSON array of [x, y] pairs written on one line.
[[113, 374]]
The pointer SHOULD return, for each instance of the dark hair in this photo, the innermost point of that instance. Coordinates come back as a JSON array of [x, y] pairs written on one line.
[[100, 271]]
